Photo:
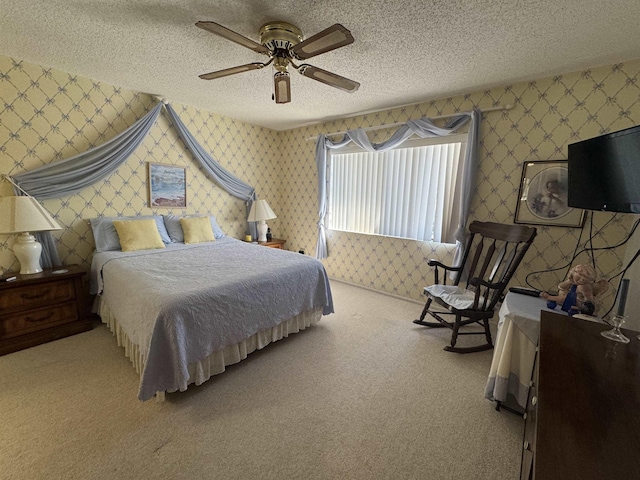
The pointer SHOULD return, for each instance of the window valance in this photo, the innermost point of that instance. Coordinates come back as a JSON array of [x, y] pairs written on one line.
[[424, 128]]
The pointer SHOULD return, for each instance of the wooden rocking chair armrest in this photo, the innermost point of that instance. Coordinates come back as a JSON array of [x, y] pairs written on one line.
[[435, 263], [476, 282]]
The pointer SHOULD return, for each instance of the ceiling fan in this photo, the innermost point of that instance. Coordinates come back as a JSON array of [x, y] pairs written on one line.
[[283, 42]]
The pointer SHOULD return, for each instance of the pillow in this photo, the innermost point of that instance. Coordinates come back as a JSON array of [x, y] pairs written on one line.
[[172, 224], [174, 229], [217, 231], [197, 230], [106, 237], [457, 297], [138, 234]]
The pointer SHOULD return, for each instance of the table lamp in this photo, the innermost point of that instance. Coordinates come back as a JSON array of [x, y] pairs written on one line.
[[260, 212], [23, 215]]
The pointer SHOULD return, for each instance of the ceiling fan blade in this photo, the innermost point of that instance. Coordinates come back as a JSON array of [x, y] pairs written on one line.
[[282, 87], [233, 36], [233, 70], [335, 36], [328, 78]]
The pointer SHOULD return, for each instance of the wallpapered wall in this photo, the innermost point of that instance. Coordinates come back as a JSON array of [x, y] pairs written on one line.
[[548, 115], [49, 115]]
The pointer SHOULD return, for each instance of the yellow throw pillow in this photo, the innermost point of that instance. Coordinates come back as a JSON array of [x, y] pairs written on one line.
[[138, 234], [197, 230]]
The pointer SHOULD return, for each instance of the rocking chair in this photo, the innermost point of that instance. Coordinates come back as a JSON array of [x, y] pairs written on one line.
[[487, 274]]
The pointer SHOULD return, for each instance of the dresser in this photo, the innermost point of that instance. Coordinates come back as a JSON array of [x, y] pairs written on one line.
[[42, 307], [583, 412]]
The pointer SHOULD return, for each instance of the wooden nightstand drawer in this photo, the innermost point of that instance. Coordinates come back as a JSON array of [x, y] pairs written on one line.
[[274, 243], [41, 307], [36, 295], [37, 319]]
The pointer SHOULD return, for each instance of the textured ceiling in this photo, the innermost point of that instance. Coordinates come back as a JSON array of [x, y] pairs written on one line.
[[404, 51]]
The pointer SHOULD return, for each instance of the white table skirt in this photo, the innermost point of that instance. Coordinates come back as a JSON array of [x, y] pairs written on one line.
[[515, 348]]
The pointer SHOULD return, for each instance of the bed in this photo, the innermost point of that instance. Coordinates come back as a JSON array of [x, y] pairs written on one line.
[[184, 312]]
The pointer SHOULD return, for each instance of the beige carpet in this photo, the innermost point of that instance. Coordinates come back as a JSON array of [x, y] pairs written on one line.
[[364, 394]]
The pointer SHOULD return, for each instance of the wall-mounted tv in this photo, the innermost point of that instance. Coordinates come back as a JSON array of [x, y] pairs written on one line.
[[604, 172]]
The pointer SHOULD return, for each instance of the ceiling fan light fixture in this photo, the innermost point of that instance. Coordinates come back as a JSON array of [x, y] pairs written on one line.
[[281, 64], [282, 85], [283, 42]]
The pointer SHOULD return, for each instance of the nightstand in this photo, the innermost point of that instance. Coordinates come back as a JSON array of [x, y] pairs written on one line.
[[274, 243], [42, 307]]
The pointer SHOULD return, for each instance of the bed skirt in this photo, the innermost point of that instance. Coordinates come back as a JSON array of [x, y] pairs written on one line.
[[203, 370]]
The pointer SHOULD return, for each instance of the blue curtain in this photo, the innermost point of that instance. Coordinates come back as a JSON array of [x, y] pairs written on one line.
[[73, 174], [232, 184], [424, 128]]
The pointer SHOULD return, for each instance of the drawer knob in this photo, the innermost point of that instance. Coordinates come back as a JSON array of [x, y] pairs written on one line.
[[39, 319], [526, 445], [34, 296], [534, 400]]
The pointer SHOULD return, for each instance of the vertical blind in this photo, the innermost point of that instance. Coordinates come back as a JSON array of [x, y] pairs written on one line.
[[405, 192]]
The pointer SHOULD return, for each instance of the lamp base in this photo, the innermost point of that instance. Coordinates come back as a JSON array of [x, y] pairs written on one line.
[[28, 251], [262, 231]]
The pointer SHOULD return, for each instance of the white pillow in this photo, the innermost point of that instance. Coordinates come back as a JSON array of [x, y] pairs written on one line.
[[106, 237], [457, 297]]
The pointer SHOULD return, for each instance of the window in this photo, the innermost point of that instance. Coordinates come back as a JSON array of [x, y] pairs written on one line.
[[406, 192]]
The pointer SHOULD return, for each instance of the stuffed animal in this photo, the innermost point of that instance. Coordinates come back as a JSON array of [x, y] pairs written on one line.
[[578, 292]]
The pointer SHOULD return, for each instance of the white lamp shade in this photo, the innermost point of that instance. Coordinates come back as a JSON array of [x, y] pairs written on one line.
[[24, 214], [260, 211]]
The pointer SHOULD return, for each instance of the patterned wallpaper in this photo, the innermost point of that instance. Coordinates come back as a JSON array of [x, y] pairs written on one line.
[[548, 115], [49, 115]]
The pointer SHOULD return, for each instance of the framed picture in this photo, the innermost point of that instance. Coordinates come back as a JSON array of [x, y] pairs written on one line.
[[167, 186], [542, 199]]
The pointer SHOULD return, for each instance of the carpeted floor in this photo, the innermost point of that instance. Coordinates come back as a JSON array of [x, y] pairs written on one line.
[[364, 394]]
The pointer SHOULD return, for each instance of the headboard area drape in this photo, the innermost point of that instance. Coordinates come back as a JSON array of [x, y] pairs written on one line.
[[69, 176]]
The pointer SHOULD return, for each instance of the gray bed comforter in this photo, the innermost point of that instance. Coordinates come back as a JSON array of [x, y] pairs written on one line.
[[184, 302]]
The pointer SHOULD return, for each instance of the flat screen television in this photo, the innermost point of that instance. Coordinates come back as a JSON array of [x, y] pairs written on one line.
[[604, 172]]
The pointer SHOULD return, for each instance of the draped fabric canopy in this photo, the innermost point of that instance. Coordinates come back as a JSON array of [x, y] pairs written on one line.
[[69, 176], [229, 182], [73, 174], [424, 128]]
